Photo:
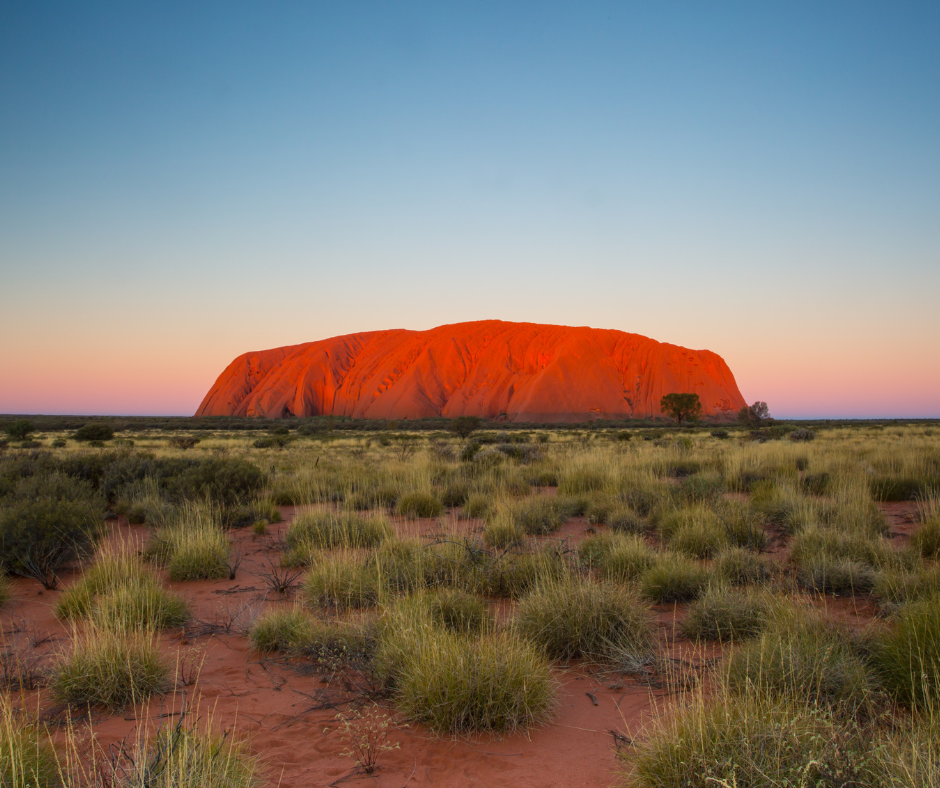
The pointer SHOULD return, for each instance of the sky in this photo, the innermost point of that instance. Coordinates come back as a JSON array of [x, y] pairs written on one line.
[[183, 182]]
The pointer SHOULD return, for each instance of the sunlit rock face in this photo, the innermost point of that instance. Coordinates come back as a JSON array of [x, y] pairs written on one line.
[[514, 371]]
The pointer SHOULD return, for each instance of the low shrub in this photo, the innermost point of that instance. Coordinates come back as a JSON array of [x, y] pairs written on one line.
[[182, 441], [816, 483], [574, 618], [802, 435], [724, 614], [93, 432], [110, 669], [417, 505], [226, 481], [47, 523]]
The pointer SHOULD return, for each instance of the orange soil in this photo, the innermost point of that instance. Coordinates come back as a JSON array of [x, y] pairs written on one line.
[[279, 707]]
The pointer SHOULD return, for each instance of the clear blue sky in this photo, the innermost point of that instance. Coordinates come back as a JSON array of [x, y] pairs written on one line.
[[179, 185]]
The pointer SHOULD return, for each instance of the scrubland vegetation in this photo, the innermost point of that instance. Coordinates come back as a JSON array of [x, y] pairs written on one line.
[[776, 593]]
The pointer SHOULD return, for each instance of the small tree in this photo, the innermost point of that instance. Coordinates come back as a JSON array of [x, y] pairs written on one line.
[[682, 407], [754, 414], [20, 430], [465, 426]]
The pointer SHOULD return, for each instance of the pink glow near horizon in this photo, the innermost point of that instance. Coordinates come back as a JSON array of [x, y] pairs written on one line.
[[119, 379]]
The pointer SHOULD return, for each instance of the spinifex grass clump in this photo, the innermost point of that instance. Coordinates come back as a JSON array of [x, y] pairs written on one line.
[[415, 505], [295, 632], [461, 683], [575, 618], [926, 539], [625, 520], [287, 630], [898, 585], [458, 611], [456, 684], [341, 580], [188, 757], [192, 544], [326, 530], [836, 561], [752, 741], [741, 567], [536, 515], [617, 557], [502, 532], [513, 574], [110, 668], [674, 578], [804, 656], [27, 759], [725, 614], [119, 593], [907, 656]]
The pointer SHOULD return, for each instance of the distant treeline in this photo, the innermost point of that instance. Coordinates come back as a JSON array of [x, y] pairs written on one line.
[[316, 424]]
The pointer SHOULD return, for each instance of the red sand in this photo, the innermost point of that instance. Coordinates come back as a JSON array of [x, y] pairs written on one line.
[[494, 369], [272, 702]]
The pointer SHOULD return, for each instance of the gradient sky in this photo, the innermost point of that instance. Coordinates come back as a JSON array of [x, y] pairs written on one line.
[[181, 183]]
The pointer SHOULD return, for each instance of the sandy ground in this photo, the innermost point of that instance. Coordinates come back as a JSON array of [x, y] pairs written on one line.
[[287, 714]]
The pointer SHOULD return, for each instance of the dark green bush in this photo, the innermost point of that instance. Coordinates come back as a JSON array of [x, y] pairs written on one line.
[[20, 430], [48, 522], [93, 432], [226, 481]]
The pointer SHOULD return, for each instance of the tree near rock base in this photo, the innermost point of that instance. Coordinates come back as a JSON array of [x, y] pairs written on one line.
[[682, 406]]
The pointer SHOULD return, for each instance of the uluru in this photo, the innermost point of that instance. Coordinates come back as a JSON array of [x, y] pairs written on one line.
[[523, 372]]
